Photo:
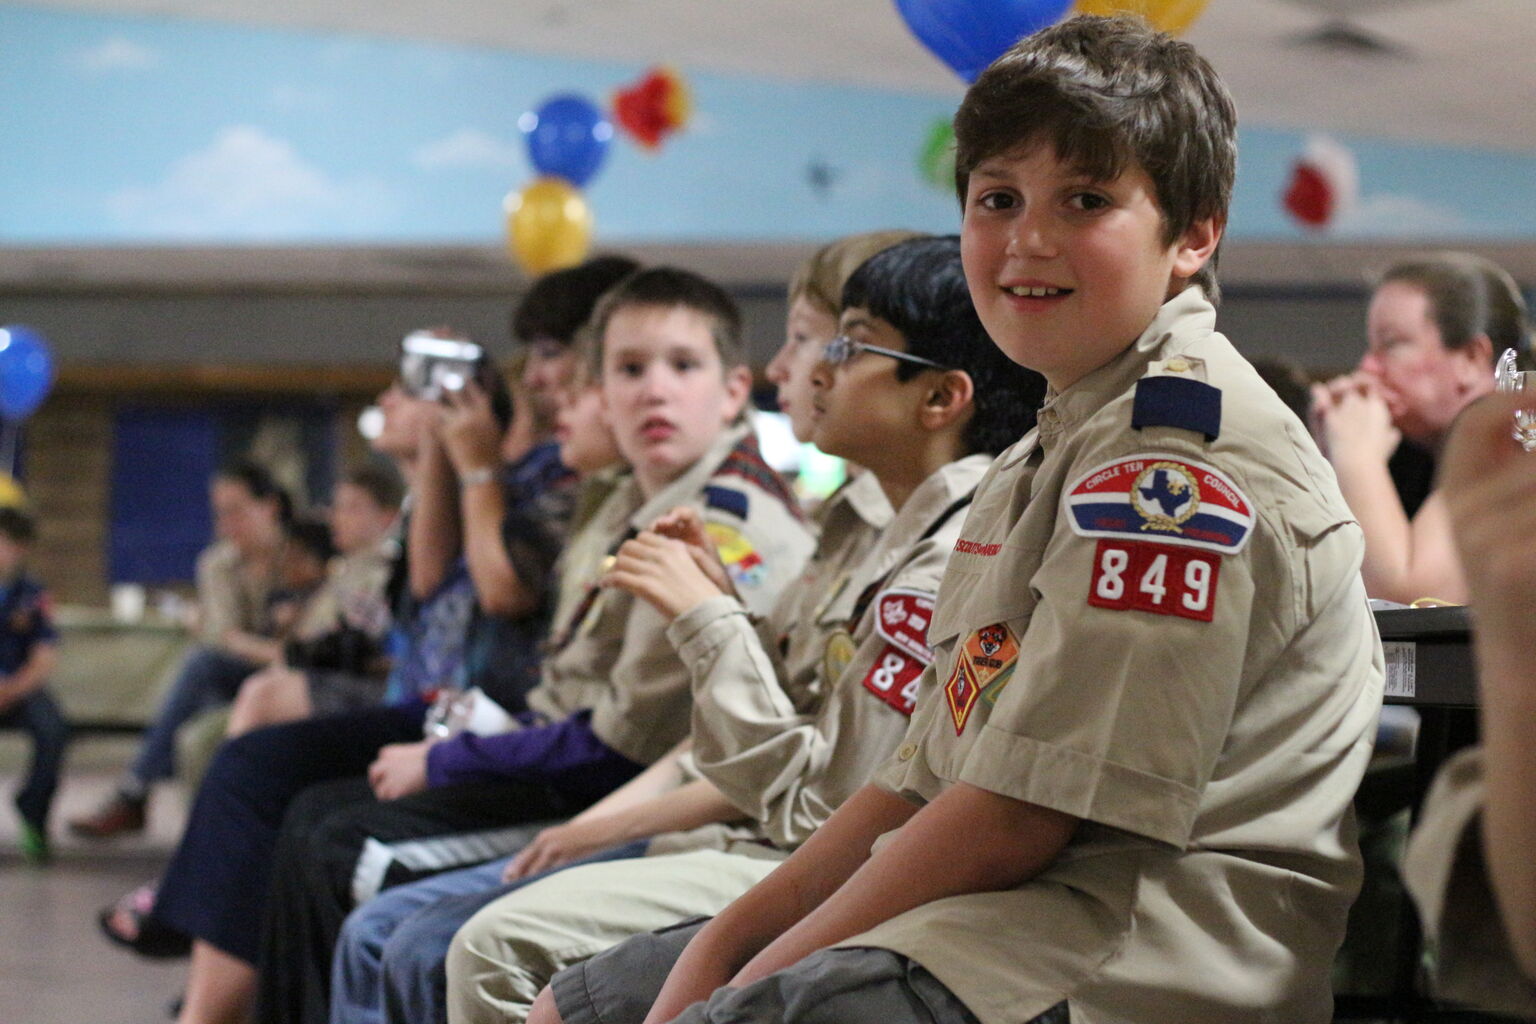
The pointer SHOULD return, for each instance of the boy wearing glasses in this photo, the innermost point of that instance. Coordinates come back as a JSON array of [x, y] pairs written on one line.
[[790, 717], [1125, 794]]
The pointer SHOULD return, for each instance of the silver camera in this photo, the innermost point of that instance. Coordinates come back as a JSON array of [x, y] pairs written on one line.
[[433, 363]]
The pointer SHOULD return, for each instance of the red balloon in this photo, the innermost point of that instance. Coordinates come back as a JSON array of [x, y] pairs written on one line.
[[1309, 197], [652, 108]]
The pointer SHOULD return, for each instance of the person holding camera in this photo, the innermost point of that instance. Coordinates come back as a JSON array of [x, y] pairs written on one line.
[[216, 885]]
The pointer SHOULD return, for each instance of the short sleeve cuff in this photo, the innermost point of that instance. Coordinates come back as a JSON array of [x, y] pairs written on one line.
[[688, 630], [906, 774], [1081, 785]]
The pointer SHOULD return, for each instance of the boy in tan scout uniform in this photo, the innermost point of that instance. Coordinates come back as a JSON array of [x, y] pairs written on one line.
[[1125, 795], [789, 724]]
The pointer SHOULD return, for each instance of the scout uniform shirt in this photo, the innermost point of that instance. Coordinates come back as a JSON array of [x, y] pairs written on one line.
[[613, 650], [1444, 870], [1153, 621], [786, 750], [228, 597]]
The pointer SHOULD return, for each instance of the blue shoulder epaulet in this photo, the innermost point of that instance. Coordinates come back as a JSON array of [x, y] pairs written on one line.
[[1177, 402], [726, 499]]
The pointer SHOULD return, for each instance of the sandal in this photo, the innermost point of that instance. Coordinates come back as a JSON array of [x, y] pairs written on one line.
[[130, 923]]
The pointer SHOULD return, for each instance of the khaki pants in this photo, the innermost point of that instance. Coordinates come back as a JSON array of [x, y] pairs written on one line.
[[512, 948]]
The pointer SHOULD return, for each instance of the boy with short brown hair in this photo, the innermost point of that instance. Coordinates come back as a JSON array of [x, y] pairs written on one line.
[[1125, 794]]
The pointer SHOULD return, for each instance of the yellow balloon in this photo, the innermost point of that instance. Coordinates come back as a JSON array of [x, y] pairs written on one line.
[[11, 494], [549, 225], [1171, 16]]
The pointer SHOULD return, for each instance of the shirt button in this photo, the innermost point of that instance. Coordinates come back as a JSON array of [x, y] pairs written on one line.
[[1177, 365], [906, 751]]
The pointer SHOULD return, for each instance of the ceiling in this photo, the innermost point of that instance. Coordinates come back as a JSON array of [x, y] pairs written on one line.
[[1450, 71]]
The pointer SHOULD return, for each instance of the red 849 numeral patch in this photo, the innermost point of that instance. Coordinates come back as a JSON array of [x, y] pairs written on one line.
[[1158, 578]]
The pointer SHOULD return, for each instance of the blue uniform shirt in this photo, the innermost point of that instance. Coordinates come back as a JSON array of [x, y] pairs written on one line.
[[26, 619]]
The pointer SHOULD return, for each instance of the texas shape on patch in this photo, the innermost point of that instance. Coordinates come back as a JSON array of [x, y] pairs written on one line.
[[901, 617], [1164, 498]]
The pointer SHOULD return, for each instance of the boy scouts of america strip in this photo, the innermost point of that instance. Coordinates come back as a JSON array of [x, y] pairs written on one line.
[[1164, 498]]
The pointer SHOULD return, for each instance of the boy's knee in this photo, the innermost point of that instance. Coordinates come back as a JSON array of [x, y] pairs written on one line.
[[544, 1010]]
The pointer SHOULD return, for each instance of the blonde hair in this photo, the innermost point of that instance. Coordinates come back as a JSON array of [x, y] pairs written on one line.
[[820, 279]]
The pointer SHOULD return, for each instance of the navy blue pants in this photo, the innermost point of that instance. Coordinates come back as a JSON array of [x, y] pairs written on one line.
[[39, 717], [216, 886]]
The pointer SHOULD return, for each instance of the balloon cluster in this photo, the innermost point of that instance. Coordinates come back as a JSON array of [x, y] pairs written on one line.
[[549, 224], [968, 35]]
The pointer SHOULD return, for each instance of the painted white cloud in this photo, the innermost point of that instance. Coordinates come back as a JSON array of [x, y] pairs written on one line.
[[249, 185], [1391, 215], [116, 54], [469, 148]]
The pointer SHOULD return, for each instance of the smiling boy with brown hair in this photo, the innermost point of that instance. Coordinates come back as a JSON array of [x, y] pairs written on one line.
[[1125, 796]]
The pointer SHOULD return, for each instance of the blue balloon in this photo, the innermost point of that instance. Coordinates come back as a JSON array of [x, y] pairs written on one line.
[[970, 34], [26, 370], [567, 137]]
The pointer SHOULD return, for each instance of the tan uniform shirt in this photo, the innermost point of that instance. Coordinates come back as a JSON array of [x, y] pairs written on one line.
[[1167, 637], [1445, 871], [788, 739], [228, 597], [352, 594], [614, 646]]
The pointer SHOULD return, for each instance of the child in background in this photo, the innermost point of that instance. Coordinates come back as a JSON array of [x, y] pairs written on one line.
[[28, 653]]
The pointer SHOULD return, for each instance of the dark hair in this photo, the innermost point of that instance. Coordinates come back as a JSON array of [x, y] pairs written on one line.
[[669, 287], [380, 481], [558, 303], [918, 287], [312, 536], [1109, 94], [259, 484], [18, 525], [1468, 296]]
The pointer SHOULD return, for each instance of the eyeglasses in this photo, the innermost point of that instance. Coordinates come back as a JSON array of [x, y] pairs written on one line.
[[842, 348]]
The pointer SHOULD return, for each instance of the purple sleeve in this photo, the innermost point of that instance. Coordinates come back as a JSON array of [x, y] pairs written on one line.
[[564, 754]]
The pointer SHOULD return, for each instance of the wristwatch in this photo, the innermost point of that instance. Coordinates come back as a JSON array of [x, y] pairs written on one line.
[[476, 477]]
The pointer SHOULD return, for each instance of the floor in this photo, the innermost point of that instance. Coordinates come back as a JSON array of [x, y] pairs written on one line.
[[55, 967]]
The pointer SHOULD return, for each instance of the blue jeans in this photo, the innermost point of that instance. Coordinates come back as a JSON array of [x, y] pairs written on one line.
[[38, 716], [389, 959], [208, 679]]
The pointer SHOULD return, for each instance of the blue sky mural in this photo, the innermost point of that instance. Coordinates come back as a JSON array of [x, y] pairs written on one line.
[[128, 130]]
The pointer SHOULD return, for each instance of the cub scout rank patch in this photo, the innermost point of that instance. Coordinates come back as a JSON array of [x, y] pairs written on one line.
[[961, 692], [742, 562], [1161, 498], [901, 617], [982, 668], [991, 652], [837, 656], [1158, 578], [893, 678]]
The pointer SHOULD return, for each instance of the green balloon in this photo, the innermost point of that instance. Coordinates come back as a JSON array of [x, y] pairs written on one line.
[[936, 158]]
